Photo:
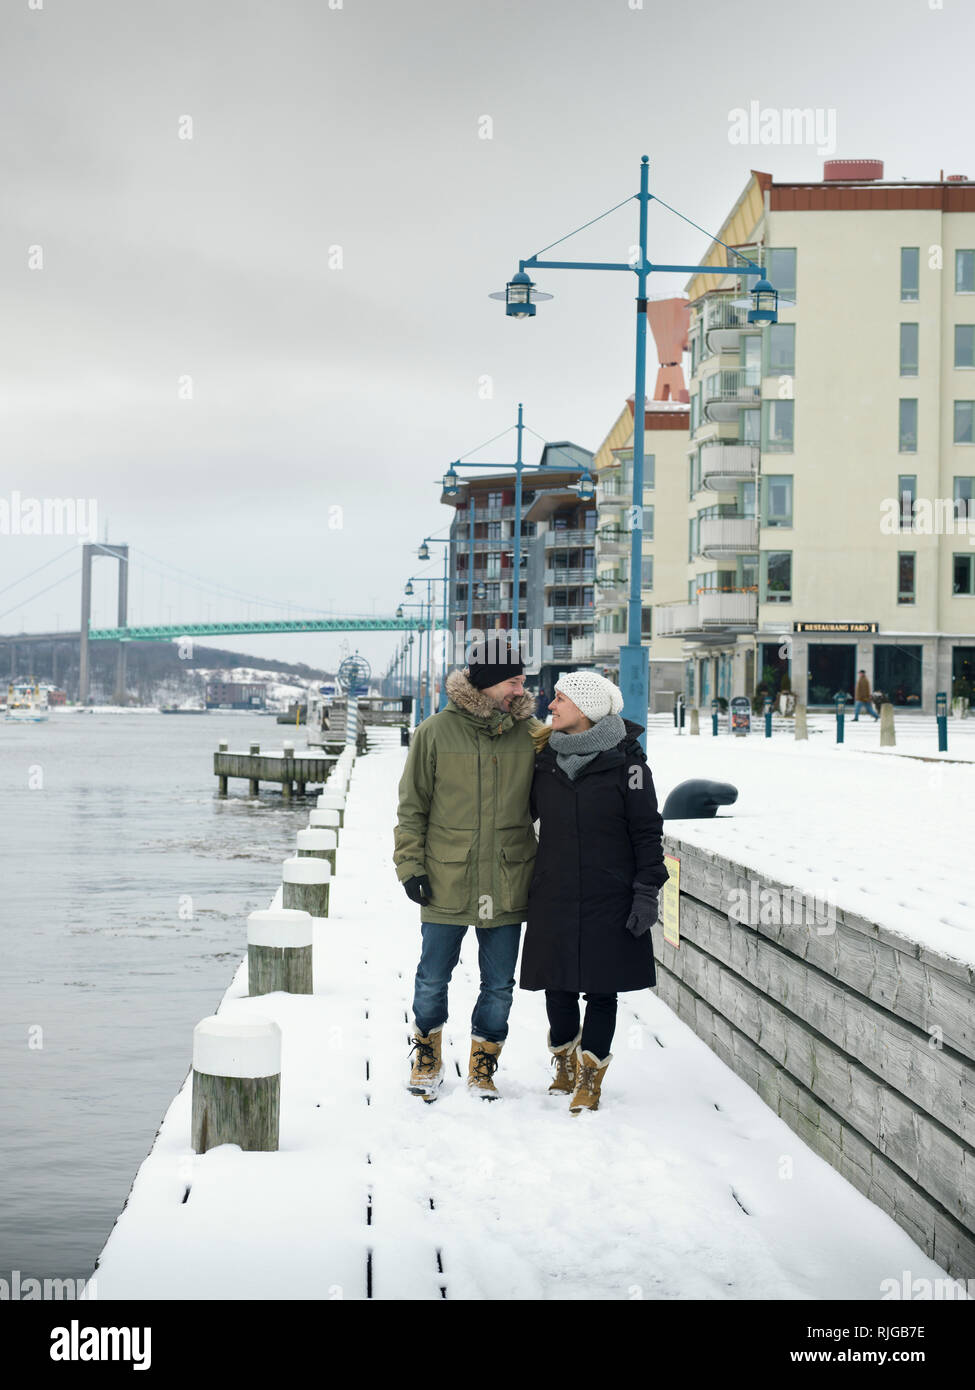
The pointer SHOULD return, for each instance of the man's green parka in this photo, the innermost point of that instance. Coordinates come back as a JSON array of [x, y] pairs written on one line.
[[464, 817]]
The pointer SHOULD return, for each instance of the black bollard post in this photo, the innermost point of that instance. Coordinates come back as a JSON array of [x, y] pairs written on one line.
[[840, 708], [714, 718], [941, 709], [767, 711]]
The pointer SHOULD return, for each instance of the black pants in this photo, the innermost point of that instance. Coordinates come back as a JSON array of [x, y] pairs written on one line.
[[598, 1027]]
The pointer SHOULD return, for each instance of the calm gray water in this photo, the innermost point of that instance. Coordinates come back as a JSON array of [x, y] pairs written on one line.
[[94, 952]]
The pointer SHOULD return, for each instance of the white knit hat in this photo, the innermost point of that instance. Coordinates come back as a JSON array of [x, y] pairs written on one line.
[[593, 694]]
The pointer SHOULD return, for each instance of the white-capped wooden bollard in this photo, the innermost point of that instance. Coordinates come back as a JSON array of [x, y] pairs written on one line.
[[315, 843], [695, 720], [801, 731], [305, 885], [223, 746], [888, 738], [236, 1083], [333, 801], [324, 820], [279, 943]]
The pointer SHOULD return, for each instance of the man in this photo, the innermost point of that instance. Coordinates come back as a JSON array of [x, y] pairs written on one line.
[[862, 697], [464, 850]]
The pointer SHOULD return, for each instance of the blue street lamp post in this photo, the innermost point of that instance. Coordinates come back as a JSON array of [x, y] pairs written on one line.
[[424, 554], [427, 667], [520, 296]]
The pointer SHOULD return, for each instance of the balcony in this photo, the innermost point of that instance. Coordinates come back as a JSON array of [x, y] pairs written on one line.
[[569, 576], [607, 644], [725, 392], [613, 542], [724, 537], [724, 322], [716, 612], [613, 595], [576, 613], [560, 653], [492, 513], [723, 465], [582, 648], [565, 540], [612, 493]]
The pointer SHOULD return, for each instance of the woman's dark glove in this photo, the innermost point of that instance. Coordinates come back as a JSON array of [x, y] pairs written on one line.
[[418, 889], [643, 913]]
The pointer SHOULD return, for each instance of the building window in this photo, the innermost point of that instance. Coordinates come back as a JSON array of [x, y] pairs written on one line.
[[965, 272], [964, 345], [589, 519], [780, 267], [907, 492], [781, 348], [906, 560], [695, 411], [692, 534], [648, 523], [646, 575], [494, 530], [750, 425], [649, 470], [777, 574], [492, 566], [910, 271], [907, 426], [778, 499], [909, 338], [461, 593], [779, 426], [493, 499], [964, 498], [965, 422], [963, 569]]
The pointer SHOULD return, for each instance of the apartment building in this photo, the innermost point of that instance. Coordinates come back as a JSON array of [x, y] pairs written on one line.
[[831, 462], [557, 561]]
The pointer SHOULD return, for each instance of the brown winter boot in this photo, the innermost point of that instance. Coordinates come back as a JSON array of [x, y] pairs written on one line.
[[564, 1061], [589, 1078], [483, 1065], [427, 1074]]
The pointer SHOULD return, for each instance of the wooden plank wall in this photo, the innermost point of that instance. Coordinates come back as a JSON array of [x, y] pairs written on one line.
[[861, 1040]]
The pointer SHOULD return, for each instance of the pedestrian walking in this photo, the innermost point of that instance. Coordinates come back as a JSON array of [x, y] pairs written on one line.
[[464, 849], [596, 878], [862, 697], [541, 705]]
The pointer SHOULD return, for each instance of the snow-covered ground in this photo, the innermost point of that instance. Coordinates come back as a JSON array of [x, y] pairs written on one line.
[[683, 1185], [890, 838]]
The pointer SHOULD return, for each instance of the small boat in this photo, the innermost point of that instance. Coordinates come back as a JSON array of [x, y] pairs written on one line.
[[26, 703], [184, 709]]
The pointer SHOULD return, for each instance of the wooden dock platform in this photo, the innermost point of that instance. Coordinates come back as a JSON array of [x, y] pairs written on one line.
[[292, 771]]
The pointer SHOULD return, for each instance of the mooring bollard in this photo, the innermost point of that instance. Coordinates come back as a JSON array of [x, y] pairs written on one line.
[[800, 730], [305, 885], [695, 721], [333, 801], [223, 746], [255, 748], [941, 709], [279, 951], [324, 820], [315, 843], [236, 1084], [888, 739]]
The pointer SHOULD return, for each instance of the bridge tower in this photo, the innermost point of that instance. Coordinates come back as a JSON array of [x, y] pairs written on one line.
[[114, 552]]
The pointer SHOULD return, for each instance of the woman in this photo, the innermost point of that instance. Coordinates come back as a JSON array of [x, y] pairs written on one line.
[[599, 868]]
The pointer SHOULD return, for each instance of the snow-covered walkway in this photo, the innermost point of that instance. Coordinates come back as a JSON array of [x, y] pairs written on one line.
[[683, 1185]]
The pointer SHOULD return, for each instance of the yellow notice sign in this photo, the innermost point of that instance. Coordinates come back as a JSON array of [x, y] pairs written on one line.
[[670, 901]]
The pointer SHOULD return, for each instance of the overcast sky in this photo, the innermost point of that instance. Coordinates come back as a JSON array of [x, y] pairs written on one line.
[[360, 127]]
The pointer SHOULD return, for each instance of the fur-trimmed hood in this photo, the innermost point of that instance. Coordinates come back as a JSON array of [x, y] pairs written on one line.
[[472, 701]]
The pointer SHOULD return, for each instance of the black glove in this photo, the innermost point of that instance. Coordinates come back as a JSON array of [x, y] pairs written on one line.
[[418, 889], [643, 913]]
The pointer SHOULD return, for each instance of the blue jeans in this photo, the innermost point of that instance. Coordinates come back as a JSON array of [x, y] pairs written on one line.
[[864, 704], [497, 952]]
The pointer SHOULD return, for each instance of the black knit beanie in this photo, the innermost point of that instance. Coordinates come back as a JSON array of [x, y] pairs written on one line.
[[493, 661]]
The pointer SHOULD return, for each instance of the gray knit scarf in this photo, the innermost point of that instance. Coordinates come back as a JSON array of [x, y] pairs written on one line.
[[573, 751]]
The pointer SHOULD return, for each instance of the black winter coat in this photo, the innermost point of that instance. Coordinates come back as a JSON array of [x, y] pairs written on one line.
[[599, 835]]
